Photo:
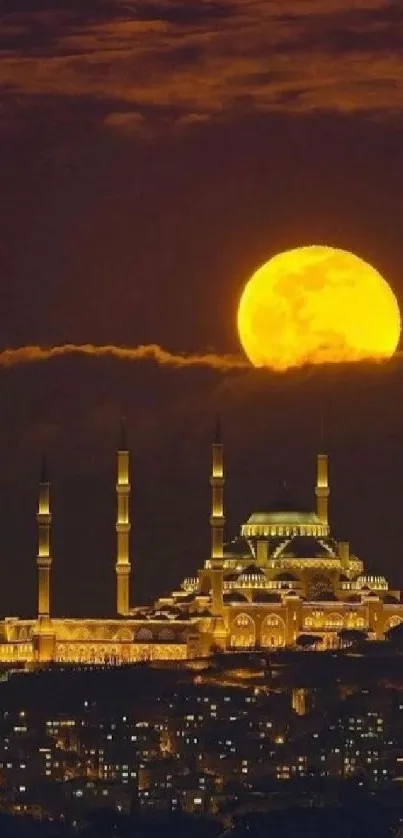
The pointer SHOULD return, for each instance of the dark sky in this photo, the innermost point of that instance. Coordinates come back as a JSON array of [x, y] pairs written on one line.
[[152, 155]]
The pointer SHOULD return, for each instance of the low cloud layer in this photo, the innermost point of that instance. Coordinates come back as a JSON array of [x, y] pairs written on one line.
[[221, 363], [152, 352]]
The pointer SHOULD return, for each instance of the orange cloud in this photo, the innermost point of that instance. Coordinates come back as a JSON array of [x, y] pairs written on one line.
[[151, 352], [206, 58], [126, 120]]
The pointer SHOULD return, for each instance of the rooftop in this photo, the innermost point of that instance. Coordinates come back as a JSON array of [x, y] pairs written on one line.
[[285, 516]]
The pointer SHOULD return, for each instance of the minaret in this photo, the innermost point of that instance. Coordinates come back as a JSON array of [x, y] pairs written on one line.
[[217, 521], [322, 489], [44, 560], [123, 526]]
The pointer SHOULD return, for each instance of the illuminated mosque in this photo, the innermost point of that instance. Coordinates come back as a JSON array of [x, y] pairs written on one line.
[[284, 575]]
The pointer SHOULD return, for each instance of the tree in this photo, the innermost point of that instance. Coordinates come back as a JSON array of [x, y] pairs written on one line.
[[395, 636], [352, 637], [308, 641]]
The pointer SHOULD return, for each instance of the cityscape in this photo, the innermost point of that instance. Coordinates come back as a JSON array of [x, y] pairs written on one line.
[[238, 741], [201, 419], [268, 689]]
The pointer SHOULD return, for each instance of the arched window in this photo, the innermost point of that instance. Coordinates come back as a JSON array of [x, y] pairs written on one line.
[[243, 634], [334, 621], [166, 634], [393, 621], [272, 632], [144, 635], [273, 620]]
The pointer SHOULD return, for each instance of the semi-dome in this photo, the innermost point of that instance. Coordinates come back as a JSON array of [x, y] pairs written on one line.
[[266, 596], [285, 577], [252, 570], [367, 582], [187, 598], [234, 597], [327, 596], [307, 547]]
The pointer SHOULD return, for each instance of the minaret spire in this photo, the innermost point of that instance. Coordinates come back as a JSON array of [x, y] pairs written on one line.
[[44, 475], [123, 566], [322, 490], [123, 435], [44, 560], [217, 431]]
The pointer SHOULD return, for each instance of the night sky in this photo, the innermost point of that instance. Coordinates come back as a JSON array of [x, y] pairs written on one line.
[[152, 155]]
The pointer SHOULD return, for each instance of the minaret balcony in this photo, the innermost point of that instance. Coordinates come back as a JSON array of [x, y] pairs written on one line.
[[44, 519], [43, 561], [217, 481], [123, 527], [217, 521]]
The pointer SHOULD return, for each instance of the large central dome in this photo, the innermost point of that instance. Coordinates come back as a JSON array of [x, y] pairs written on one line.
[[284, 518]]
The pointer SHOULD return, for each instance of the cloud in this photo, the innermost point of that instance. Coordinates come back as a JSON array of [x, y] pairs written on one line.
[[210, 58], [151, 352], [193, 119], [127, 121]]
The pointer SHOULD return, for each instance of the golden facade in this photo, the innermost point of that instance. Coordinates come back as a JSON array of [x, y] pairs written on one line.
[[284, 575]]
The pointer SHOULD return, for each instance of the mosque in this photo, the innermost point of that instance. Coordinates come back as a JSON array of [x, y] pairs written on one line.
[[284, 575]]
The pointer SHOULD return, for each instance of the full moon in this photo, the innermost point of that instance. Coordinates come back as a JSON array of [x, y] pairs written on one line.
[[317, 305]]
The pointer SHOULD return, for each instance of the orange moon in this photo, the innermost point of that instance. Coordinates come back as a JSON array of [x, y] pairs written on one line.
[[317, 305]]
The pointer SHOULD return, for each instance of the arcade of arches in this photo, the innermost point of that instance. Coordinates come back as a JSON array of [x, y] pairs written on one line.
[[244, 635]]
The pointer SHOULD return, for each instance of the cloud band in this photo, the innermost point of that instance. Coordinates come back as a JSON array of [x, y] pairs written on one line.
[[149, 352]]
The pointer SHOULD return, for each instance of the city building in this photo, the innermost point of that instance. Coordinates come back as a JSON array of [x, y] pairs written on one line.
[[284, 575], [73, 740]]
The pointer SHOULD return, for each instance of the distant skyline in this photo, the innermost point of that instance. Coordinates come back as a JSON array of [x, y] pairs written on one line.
[[152, 156]]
